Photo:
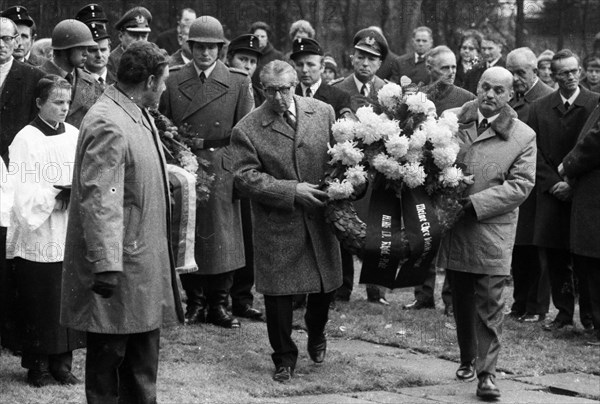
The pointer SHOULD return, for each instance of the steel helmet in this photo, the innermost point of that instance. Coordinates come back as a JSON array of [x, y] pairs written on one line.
[[206, 29], [70, 34]]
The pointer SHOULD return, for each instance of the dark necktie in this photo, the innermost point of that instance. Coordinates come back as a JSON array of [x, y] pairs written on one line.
[[308, 92], [364, 90], [567, 105], [69, 78], [202, 77], [420, 58], [483, 125], [101, 80], [290, 119]]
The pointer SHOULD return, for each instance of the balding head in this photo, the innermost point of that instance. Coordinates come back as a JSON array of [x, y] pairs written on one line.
[[522, 63], [494, 90], [441, 64], [9, 30]]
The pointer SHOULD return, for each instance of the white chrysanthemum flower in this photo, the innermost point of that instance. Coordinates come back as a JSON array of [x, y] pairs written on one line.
[[389, 167], [343, 129], [345, 152], [444, 157], [390, 96], [414, 156], [418, 139], [340, 190], [417, 103], [414, 175], [451, 176], [450, 120], [367, 116], [439, 135], [188, 161], [387, 127], [397, 146], [430, 109], [356, 175]]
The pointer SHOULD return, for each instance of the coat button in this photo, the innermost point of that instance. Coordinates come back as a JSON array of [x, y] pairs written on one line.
[[217, 124]]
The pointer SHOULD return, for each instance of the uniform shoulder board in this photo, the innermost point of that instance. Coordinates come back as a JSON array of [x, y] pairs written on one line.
[[239, 71], [335, 81]]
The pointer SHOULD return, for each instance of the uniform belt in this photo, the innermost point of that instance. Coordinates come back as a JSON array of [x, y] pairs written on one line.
[[200, 144]]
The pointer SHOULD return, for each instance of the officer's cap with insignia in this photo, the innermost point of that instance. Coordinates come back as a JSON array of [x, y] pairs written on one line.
[[91, 12], [247, 43], [135, 20], [305, 45], [370, 41], [19, 15], [98, 30]]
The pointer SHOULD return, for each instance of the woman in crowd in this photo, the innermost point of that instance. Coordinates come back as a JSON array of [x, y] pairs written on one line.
[[544, 72], [330, 71], [468, 56], [591, 66], [43, 152]]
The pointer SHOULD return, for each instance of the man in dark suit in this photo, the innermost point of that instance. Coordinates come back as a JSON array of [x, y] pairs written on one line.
[[558, 119], [441, 65], [211, 98], [184, 54], [531, 285], [491, 49], [17, 85], [27, 35], [412, 64], [70, 41], [133, 26], [169, 40], [580, 167], [370, 48], [280, 154]]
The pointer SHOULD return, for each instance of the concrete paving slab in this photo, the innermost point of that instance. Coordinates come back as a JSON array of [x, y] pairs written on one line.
[[512, 392], [385, 397], [430, 369], [324, 399], [574, 382]]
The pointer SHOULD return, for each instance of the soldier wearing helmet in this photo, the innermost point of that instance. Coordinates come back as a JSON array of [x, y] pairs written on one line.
[[134, 26], [70, 41], [211, 98]]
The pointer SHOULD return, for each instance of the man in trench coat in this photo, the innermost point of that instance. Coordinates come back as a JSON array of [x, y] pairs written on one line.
[[280, 156], [119, 276], [499, 151], [211, 98]]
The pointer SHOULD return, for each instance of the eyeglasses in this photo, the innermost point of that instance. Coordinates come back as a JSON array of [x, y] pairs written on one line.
[[8, 38], [567, 73], [281, 90]]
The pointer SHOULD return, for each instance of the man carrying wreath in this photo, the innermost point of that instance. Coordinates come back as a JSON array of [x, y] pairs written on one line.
[[500, 152]]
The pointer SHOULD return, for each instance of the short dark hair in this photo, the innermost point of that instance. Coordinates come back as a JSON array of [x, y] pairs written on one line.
[[592, 60], [260, 25], [48, 83], [563, 54], [474, 35], [141, 60]]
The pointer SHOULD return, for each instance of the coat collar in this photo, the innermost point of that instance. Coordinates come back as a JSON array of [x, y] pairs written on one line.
[[304, 113], [122, 100], [502, 126], [216, 85]]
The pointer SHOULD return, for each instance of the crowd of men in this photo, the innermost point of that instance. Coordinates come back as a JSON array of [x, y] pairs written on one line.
[[263, 121]]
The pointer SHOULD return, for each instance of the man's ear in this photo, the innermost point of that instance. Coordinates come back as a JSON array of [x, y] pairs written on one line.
[[151, 82]]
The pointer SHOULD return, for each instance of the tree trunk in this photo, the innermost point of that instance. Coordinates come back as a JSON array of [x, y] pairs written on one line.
[[520, 26]]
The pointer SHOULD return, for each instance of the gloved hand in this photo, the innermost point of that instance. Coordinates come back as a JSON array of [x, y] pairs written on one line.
[[105, 283], [63, 197]]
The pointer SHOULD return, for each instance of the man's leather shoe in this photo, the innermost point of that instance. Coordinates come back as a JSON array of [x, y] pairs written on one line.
[[218, 315], [532, 318], [39, 378], [382, 301], [418, 305], [556, 325], [66, 378], [195, 314], [317, 347], [466, 371], [248, 312], [283, 374], [487, 389]]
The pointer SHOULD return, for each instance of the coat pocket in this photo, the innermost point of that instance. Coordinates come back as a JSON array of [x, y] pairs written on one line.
[[131, 223]]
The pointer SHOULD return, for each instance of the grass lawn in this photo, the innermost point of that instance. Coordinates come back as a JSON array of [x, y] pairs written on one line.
[[206, 364]]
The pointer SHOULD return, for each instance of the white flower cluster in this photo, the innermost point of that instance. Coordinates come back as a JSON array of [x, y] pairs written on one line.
[[356, 175], [343, 129], [387, 166], [390, 96], [445, 146], [418, 103], [414, 175], [397, 146], [340, 190], [373, 127], [346, 152]]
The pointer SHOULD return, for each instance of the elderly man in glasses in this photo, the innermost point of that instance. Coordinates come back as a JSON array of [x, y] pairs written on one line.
[[280, 154]]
